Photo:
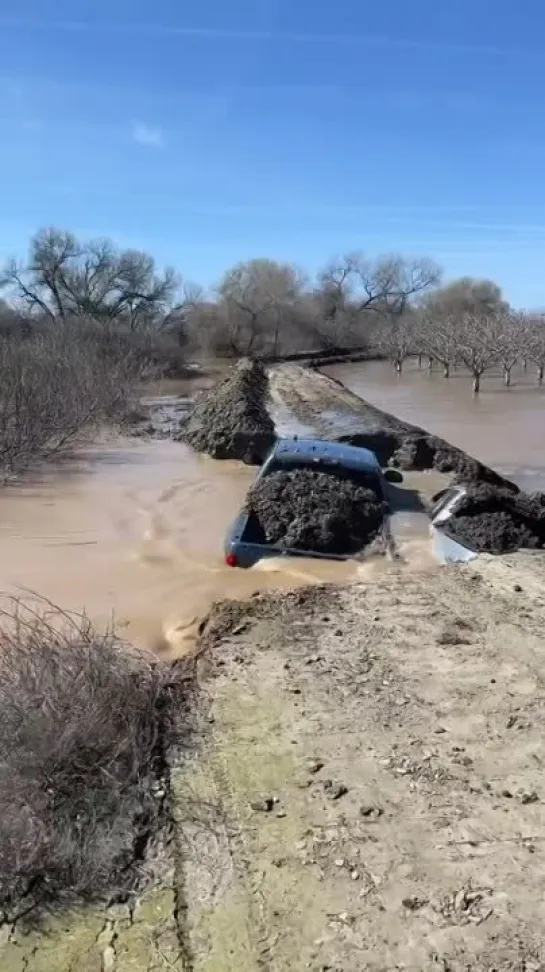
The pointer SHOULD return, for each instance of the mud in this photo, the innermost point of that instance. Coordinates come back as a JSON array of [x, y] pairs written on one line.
[[326, 513], [499, 521], [496, 517], [231, 421]]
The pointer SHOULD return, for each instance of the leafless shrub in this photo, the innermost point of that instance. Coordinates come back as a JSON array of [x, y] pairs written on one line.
[[55, 386], [83, 726]]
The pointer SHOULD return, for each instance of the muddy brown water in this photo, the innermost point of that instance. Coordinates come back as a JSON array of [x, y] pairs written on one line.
[[132, 530], [503, 427]]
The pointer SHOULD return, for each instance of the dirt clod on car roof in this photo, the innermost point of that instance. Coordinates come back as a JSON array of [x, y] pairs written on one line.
[[323, 512], [231, 420]]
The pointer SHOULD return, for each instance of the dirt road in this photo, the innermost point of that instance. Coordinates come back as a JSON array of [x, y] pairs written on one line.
[[327, 406], [369, 794]]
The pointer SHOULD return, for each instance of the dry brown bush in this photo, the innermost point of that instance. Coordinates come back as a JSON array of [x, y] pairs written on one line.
[[55, 386], [84, 722]]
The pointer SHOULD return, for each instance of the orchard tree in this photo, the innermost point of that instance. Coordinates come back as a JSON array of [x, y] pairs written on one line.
[[438, 337], [535, 343], [511, 342], [478, 344], [397, 338]]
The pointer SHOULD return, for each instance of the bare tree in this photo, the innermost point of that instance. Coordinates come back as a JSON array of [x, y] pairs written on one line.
[[258, 297], [438, 336], [397, 338], [466, 295], [535, 343], [358, 296], [64, 277], [334, 317], [478, 344], [388, 283], [512, 339]]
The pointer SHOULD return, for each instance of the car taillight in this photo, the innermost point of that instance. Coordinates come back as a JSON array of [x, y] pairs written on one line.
[[230, 560]]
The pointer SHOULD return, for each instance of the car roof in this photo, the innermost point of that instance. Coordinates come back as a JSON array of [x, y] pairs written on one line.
[[352, 457]]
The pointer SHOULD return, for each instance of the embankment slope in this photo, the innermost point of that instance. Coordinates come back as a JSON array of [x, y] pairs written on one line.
[[370, 782]]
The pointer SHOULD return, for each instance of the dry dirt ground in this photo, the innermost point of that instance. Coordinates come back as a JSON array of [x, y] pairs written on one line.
[[314, 398], [369, 794]]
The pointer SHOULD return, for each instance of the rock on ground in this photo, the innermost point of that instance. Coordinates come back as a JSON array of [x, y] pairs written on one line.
[[231, 420], [304, 509]]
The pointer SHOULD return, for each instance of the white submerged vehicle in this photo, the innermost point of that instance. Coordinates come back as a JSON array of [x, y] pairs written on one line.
[[447, 549]]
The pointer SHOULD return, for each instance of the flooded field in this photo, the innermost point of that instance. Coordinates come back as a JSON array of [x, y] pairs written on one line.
[[133, 529], [503, 427]]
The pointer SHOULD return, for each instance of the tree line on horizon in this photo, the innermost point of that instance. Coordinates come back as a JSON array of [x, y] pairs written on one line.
[[389, 306]]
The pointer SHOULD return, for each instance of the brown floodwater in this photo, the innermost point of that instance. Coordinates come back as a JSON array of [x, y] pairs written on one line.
[[132, 530], [503, 427]]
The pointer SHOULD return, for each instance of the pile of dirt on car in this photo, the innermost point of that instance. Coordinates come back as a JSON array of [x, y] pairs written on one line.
[[496, 520], [231, 421], [304, 509]]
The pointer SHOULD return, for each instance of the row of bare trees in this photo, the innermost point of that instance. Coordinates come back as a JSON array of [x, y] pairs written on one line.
[[467, 324], [388, 306], [260, 307]]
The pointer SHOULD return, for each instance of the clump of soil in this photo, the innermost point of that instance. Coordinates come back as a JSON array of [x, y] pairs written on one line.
[[415, 452], [322, 512], [382, 441], [498, 520], [231, 420]]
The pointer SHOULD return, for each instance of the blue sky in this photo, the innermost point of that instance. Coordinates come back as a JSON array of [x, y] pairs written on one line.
[[214, 132]]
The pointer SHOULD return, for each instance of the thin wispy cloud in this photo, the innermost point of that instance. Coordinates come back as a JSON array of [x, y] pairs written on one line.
[[255, 36], [148, 135]]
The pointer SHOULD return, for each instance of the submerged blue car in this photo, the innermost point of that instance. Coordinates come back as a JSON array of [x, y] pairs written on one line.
[[246, 543]]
